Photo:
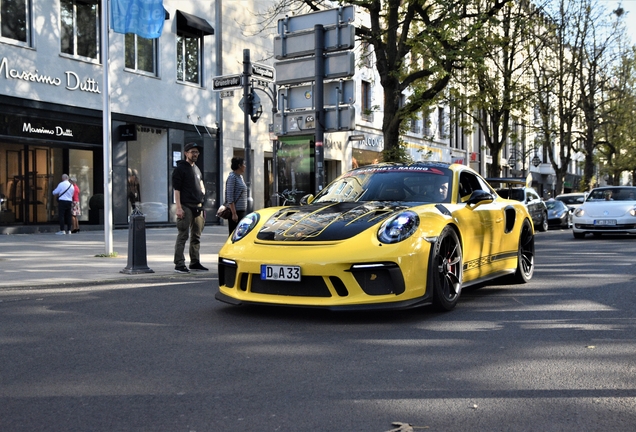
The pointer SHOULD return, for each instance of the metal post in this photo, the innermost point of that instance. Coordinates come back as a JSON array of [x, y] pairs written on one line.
[[247, 70], [319, 152]]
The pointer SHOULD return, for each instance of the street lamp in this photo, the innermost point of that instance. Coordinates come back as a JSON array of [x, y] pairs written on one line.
[[536, 161]]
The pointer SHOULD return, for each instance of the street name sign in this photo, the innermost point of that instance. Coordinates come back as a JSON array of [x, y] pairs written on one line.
[[226, 82], [263, 71]]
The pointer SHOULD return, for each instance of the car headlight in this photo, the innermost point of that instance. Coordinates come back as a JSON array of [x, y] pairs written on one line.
[[579, 212], [245, 225], [398, 227], [632, 211]]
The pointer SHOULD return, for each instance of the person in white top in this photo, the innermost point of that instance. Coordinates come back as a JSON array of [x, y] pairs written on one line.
[[64, 192]]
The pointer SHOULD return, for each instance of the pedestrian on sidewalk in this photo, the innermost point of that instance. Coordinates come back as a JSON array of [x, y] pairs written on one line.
[[236, 192], [64, 192], [189, 195], [76, 210]]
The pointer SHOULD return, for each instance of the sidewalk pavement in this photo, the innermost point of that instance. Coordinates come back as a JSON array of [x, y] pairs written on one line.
[[46, 259]]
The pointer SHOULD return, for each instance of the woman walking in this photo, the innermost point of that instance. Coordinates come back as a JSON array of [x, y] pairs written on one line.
[[236, 192]]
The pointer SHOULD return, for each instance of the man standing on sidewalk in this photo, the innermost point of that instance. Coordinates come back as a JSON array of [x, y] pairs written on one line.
[[64, 192], [189, 195]]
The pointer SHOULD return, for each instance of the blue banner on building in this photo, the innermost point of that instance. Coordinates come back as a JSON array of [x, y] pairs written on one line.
[[144, 18]]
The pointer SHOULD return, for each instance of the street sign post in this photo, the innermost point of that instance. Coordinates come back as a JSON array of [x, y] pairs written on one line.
[[315, 47]]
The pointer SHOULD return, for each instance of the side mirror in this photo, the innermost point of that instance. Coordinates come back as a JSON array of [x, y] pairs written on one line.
[[307, 199], [480, 197]]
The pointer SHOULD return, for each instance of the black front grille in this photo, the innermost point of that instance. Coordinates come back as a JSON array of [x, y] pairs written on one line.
[[380, 280], [309, 286], [227, 274]]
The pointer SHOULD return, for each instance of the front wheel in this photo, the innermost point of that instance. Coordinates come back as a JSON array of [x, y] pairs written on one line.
[[578, 235], [543, 226], [445, 270], [525, 254]]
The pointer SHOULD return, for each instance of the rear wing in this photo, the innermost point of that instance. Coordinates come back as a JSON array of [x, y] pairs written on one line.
[[511, 181]]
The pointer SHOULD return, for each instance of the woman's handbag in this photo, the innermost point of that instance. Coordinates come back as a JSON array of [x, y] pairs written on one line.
[[224, 212]]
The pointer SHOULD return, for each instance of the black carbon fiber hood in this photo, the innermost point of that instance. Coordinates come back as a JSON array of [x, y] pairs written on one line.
[[325, 222]]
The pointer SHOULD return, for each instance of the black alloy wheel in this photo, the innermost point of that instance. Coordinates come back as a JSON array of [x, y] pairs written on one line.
[[525, 256], [445, 270]]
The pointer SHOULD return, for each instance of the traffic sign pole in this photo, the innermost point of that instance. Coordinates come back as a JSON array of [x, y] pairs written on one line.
[[247, 69], [319, 150]]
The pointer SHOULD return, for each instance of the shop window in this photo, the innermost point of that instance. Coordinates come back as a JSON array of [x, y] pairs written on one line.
[[15, 21], [141, 54], [80, 28]]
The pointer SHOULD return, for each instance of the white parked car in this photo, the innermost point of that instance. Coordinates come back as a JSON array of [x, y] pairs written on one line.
[[606, 210]]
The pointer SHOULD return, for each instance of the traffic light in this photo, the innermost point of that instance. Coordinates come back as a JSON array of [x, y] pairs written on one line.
[[256, 109]]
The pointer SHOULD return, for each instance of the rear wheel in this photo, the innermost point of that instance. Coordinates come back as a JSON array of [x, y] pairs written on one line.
[[525, 255], [445, 270]]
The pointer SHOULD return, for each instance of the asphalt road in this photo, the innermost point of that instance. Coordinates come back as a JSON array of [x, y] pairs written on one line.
[[556, 354]]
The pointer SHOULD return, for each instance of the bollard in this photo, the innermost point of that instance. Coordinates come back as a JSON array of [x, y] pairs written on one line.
[[137, 245]]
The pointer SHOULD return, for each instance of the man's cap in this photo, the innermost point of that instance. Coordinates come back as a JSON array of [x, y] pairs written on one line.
[[190, 146]]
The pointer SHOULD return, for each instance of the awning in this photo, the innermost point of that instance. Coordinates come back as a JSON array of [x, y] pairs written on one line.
[[193, 24]]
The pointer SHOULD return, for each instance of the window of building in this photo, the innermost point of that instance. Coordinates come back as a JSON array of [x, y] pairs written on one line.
[[191, 30], [15, 21], [189, 58], [80, 28], [367, 110], [141, 54]]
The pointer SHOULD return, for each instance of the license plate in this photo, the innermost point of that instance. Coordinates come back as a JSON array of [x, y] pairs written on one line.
[[605, 222], [280, 273]]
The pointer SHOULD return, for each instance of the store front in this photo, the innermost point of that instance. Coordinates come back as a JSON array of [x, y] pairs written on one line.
[[36, 148]]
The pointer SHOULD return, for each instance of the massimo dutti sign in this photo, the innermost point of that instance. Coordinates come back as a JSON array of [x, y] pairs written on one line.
[[70, 80], [49, 130]]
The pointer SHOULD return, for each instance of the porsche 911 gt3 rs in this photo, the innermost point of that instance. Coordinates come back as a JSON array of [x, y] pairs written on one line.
[[381, 236]]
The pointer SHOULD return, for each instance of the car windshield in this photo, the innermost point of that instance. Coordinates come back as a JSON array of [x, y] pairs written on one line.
[[613, 194], [555, 205], [514, 194], [409, 183]]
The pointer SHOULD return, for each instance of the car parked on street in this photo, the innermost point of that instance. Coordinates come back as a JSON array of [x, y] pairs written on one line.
[[606, 210], [572, 200], [518, 189], [559, 215]]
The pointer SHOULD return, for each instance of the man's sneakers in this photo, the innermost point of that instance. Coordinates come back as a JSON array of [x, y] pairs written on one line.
[[184, 270], [198, 267], [181, 269], [61, 233]]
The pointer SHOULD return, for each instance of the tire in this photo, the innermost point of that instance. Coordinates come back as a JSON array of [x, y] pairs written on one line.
[[525, 254], [543, 226], [578, 235], [445, 270]]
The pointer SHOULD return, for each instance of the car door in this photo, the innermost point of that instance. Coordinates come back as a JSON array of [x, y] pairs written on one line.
[[480, 226]]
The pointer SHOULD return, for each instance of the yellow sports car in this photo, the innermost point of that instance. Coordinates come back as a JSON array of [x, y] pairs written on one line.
[[379, 237]]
